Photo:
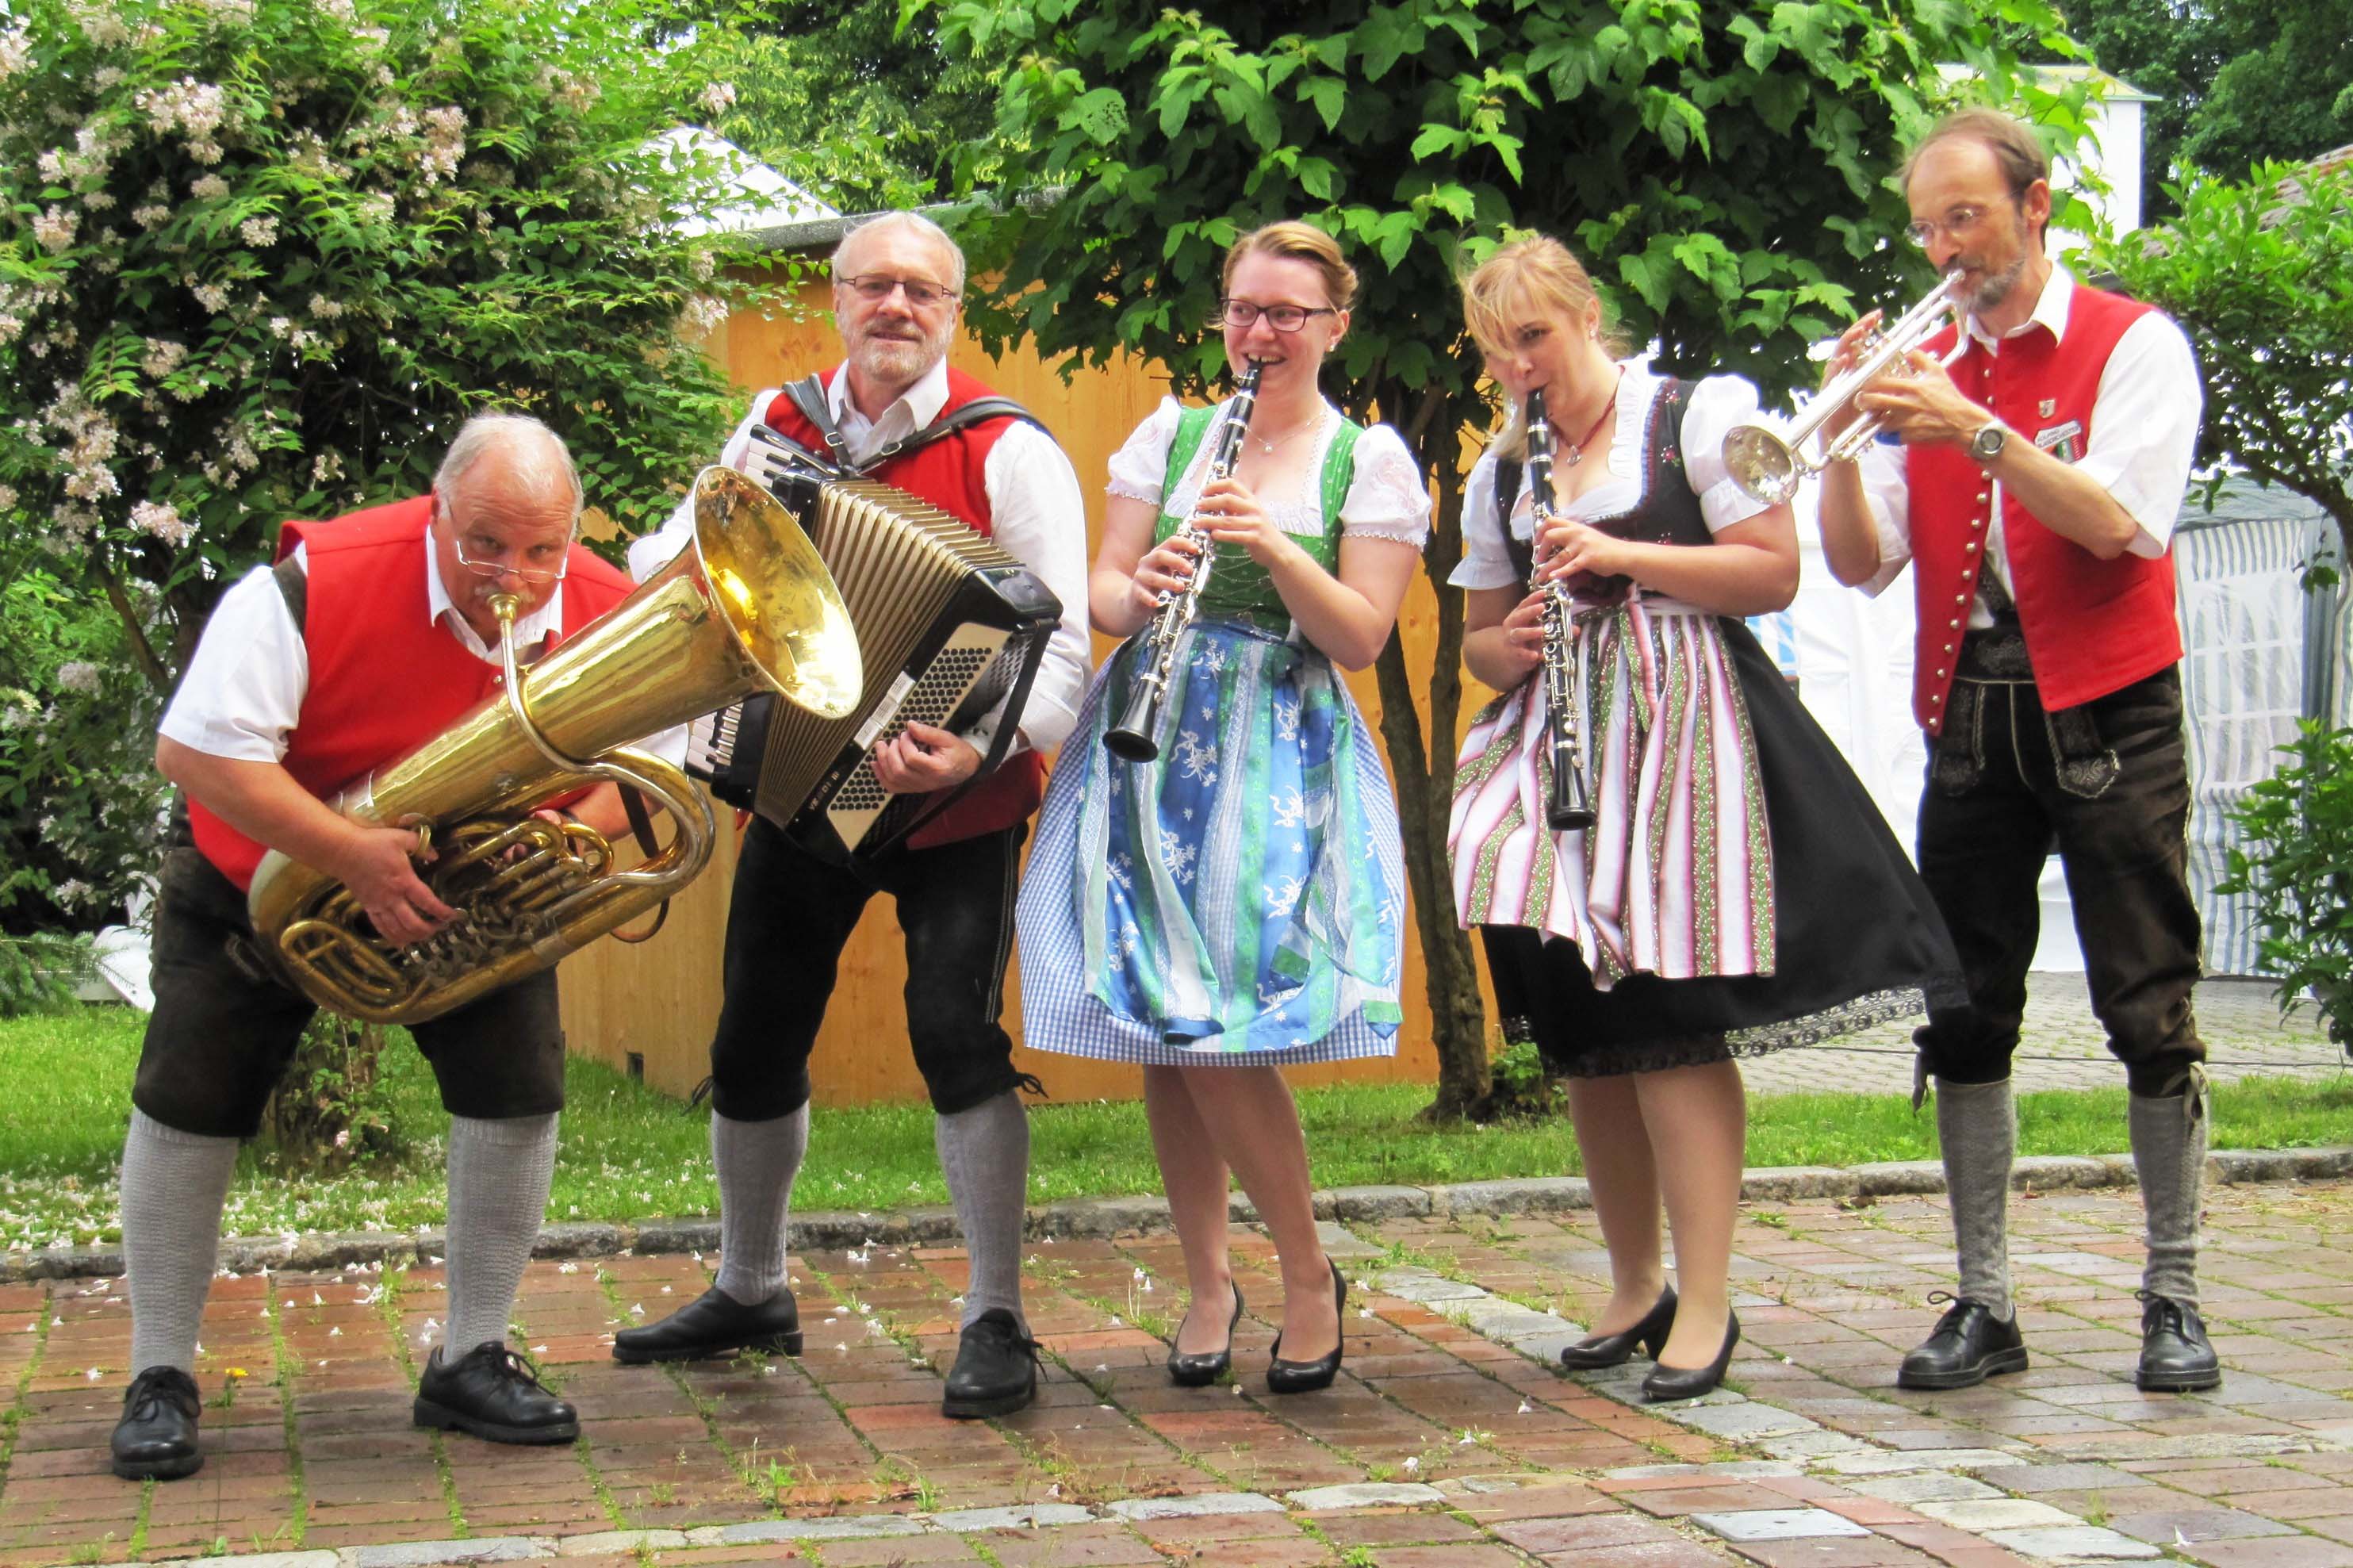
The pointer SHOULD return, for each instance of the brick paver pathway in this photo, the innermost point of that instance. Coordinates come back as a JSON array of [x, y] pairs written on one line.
[[2064, 1047], [1448, 1441]]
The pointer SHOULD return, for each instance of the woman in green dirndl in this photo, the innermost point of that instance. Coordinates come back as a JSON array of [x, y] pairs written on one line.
[[1236, 903]]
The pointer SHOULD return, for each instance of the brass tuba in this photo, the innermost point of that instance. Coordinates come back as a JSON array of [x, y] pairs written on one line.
[[748, 607]]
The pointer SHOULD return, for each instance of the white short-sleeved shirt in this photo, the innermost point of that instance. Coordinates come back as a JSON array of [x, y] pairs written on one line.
[[2142, 440], [1387, 499], [1716, 405], [242, 693], [1035, 514]]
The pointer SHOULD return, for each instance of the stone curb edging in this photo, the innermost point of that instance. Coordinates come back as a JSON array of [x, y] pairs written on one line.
[[1099, 1218]]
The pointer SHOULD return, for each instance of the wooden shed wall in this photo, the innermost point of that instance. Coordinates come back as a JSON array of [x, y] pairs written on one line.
[[658, 1001]]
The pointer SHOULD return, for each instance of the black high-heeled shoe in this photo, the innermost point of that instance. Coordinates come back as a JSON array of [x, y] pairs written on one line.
[[1197, 1369], [1598, 1350], [1689, 1382], [1305, 1377]]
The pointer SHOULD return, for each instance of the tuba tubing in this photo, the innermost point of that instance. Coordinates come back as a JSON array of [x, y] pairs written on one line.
[[747, 606]]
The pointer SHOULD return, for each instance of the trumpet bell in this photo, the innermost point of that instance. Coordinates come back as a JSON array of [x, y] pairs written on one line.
[[1762, 463]]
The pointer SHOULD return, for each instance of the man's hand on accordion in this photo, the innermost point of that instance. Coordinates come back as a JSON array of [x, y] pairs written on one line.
[[920, 759]]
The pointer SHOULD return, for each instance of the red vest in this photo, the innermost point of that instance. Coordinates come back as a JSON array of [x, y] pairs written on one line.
[[952, 474], [383, 679], [2092, 627]]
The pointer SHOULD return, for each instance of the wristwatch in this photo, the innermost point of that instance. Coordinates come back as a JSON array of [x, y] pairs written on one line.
[[1987, 444]]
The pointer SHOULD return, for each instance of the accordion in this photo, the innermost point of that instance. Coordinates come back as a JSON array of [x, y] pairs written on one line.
[[948, 624]]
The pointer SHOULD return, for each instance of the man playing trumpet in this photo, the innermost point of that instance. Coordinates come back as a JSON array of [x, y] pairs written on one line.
[[2035, 495], [371, 635]]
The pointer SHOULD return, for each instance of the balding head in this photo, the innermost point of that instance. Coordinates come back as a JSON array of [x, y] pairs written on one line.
[[505, 500]]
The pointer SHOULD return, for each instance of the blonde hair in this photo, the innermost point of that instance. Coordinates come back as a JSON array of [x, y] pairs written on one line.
[[1537, 275], [913, 223], [1292, 240]]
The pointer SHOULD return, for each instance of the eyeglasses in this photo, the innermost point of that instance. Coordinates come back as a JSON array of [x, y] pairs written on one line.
[[1957, 222], [876, 287], [499, 568], [1244, 314]]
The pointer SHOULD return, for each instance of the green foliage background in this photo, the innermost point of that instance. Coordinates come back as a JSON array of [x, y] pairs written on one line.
[[257, 258]]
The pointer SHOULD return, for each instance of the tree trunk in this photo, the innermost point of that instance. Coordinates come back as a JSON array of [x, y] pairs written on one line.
[[1424, 768]]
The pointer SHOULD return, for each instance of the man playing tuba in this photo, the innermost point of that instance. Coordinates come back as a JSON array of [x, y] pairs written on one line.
[[372, 634]]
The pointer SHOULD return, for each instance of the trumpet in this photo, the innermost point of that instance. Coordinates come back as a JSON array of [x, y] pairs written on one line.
[[1568, 808], [1135, 738], [1769, 459]]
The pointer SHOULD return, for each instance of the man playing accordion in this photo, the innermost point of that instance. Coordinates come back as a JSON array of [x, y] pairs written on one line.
[[890, 410]]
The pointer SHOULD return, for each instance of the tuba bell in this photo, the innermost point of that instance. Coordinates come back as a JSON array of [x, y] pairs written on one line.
[[748, 607]]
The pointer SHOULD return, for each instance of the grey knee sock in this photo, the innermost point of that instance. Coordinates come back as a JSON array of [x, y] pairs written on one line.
[[1977, 1126], [500, 1171], [174, 1184], [985, 1154], [2169, 1145], [756, 1161]]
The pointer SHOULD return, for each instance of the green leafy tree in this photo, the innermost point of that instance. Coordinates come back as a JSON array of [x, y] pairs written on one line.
[[2261, 274], [2297, 866], [258, 258], [1726, 167], [836, 97], [2236, 81]]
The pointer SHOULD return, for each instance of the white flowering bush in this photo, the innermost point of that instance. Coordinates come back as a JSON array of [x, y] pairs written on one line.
[[81, 806], [258, 258]]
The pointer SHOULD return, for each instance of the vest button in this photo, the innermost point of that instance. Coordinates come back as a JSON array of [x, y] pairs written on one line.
[[1961, 598], [1948, 648], [1936, 696], [1970, 545], [1977, 522], [1940, 674], [1954, 625], [1983, 498]]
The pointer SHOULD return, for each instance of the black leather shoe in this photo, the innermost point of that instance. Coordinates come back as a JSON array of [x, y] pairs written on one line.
[[2175, 1357], [156, 1438], [1197, 1368], [1970, 1344], [714, 1324], [1689, 1382], [1597, 1350], [493, 1394], [1306, 1377], [995, 1371]]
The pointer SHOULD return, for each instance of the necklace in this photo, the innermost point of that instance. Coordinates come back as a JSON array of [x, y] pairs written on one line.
[[1266, 446], [1577, 452]]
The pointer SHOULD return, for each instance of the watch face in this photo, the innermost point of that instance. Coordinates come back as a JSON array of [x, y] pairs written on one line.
[[1987, 441]]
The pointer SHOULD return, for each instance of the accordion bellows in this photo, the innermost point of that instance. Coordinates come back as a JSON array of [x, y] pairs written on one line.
[[948, 624]]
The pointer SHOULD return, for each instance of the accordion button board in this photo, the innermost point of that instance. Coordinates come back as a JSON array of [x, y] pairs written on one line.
[[949, 625]]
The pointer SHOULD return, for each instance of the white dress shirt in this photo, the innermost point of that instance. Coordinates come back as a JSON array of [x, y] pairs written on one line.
[[2142, 440], [1717, 404], [1036, 517], [242, 695]]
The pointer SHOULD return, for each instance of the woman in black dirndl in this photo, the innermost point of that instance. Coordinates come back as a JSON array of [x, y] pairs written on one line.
[[1739, 891]]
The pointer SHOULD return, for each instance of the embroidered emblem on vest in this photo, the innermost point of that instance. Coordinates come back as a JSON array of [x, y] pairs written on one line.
[[2047, 406]]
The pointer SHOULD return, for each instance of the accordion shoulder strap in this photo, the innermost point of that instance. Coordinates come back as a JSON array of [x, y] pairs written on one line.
[[808, 395]]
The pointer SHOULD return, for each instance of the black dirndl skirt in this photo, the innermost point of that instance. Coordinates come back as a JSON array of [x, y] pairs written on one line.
[[1858, 938]]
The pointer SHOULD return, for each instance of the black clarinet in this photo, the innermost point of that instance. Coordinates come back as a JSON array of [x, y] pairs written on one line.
[[1135, 737], [1568, 809]]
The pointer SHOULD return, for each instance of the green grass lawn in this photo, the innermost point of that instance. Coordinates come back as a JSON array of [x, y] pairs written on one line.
[[630, 1153]]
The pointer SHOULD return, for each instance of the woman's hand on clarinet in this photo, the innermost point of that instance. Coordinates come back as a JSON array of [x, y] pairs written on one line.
[[1523, 631], [1232, 515], [1569, 547], [1165, 568]]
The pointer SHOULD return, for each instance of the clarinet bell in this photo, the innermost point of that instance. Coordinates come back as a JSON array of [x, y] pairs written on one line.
[[1570, 808], [1131, 740]]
